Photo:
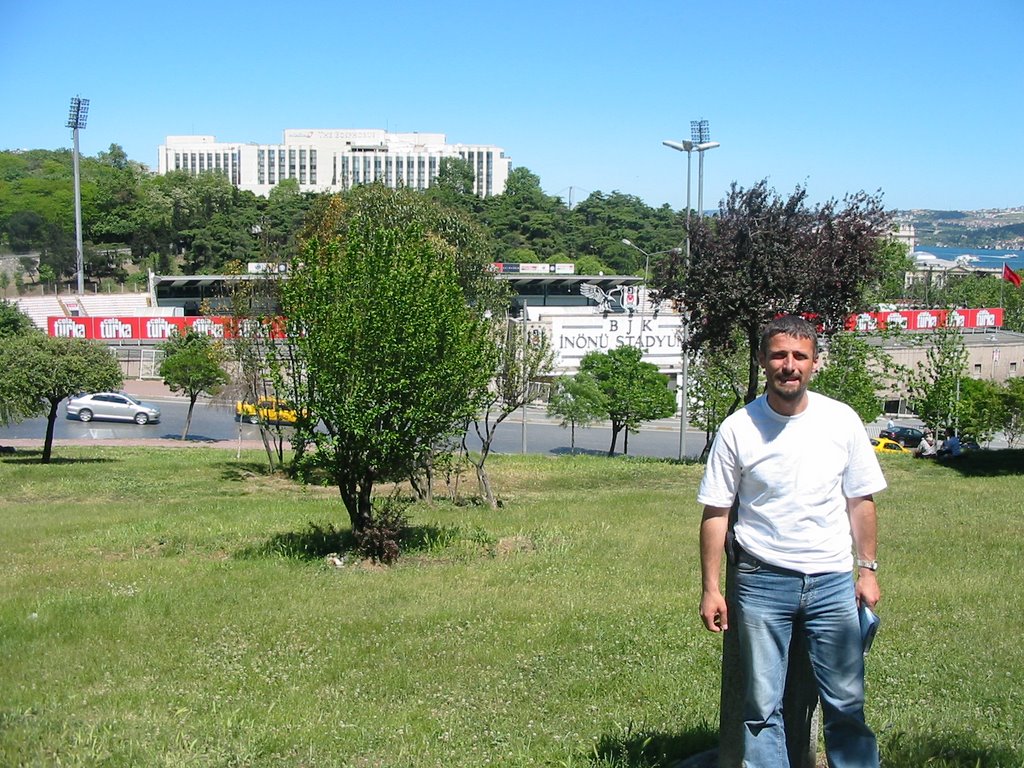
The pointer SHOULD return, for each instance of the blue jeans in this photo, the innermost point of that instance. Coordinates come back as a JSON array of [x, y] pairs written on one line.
[[771, 604]]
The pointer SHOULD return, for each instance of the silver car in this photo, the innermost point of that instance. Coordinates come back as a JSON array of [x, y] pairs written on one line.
[[114, 406]]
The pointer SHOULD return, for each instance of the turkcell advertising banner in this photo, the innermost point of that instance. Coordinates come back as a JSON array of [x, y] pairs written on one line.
[[925, 319], [113, 329]]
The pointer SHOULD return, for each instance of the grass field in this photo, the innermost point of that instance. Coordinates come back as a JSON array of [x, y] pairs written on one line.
[[167, 607]]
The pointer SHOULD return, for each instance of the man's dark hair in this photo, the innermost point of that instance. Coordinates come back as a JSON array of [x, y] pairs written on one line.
[[791, 325]]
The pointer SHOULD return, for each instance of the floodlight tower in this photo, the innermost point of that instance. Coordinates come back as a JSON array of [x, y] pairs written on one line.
[[77, 115], [700, 140]]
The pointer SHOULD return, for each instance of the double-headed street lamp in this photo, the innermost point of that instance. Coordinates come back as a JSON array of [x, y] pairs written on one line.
[[647, 256], [77, 115], [699, 141]]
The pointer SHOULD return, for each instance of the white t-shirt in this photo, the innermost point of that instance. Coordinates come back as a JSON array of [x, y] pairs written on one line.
[[793, 475]]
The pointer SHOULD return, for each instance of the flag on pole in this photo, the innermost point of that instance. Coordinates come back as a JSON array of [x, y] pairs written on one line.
[[1009, 274]]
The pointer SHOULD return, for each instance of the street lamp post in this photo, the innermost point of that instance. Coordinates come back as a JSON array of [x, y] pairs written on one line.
[[699, 142], [522, 353], [77, 115], [647, 256]]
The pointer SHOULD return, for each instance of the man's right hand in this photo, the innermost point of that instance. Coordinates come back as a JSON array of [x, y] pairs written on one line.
[[714, 612]]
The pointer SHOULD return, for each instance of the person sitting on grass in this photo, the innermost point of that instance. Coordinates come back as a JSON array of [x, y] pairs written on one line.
[[951, 446], [926, 449]]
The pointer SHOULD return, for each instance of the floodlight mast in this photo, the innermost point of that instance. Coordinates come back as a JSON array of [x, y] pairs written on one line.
[[700, 141], [77, 116]]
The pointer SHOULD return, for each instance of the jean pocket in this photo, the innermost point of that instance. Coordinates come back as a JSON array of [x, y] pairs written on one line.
[[747, 564]]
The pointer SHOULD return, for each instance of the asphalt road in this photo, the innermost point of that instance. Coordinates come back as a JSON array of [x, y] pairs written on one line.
[[215, 422]]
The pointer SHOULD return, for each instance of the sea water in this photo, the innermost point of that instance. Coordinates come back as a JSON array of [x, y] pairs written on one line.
[[990, 258]]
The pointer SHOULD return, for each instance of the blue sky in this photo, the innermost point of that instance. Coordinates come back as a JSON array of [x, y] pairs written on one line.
[[918, 99]]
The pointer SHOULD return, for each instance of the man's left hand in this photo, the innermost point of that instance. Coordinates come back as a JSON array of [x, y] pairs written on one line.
[[867, 590]]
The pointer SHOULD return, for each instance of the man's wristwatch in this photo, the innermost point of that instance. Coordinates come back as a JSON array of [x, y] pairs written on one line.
[[871, 565]]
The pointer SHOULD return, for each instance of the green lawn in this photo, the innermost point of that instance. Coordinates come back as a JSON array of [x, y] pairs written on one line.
[[154, 612]]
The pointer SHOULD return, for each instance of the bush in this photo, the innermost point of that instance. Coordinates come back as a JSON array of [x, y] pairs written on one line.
[[381, 540]]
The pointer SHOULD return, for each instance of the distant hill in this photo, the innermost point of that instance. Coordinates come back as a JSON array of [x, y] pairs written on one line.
[[1001, 228]]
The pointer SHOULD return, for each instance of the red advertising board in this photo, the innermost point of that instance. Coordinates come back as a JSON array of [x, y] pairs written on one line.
[[926, 319], [119, 329], [112, 329]]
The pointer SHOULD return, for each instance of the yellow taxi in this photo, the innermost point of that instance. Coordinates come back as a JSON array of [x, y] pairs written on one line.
[[268, 410], [885, 445]]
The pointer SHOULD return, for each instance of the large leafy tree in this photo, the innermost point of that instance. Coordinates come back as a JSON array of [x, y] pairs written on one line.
[[193, 364], [386, 307], [37, 372], [634, 391], [765, 255]]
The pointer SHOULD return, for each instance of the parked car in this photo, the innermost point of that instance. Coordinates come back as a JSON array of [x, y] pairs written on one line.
[[908, 437], [885, 445], [111, 406], [267, 409]]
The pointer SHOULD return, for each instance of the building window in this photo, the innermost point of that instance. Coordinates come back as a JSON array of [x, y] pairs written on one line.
[[977, 369]]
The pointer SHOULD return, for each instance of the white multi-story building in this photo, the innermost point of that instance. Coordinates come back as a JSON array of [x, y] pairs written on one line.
[[335, 160]]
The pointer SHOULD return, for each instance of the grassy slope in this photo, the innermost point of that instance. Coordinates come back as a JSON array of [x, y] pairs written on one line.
[[139, 625]]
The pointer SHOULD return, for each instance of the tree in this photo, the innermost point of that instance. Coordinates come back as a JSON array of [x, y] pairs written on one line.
[[266, 368], [1012, 396], [718, 382], [13, 322], [192, 364], [519, 361], [981, 412], [37, 372], [633, 390], [601, 222], [46, 275], [578, 402], [379, 307], [763, 256], [935, 385], [25, 231], [455, 178], [523, 216], [853, 371], [894, 262]]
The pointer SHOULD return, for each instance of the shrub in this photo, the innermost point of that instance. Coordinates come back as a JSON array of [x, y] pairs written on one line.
[[381, 540]]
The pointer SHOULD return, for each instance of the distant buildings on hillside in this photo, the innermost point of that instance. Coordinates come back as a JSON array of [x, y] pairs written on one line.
[[335, 160]]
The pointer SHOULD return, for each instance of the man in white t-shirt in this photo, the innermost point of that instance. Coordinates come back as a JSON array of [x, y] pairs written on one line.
[[803, 473]]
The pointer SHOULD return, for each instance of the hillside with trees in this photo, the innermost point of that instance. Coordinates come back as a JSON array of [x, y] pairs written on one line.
[[996, 228], [133, 220]]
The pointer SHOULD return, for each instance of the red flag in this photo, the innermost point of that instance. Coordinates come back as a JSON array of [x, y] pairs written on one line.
[[1009, 274]]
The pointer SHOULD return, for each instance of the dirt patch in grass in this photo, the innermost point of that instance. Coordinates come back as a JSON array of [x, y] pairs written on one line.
[[512, 545]]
